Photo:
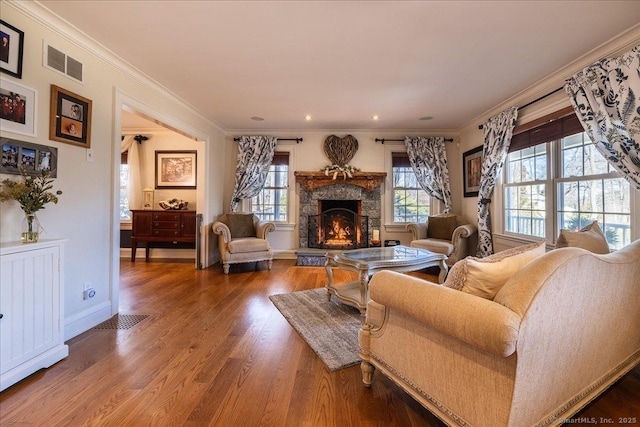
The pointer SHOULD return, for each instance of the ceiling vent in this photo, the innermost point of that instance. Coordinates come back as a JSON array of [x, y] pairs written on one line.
[[57, 60]]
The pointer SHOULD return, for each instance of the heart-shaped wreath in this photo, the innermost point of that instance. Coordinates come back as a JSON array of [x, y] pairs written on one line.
[[340, 150]]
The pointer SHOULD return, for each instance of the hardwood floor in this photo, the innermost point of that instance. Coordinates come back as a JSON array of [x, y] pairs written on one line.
[[215, 351]]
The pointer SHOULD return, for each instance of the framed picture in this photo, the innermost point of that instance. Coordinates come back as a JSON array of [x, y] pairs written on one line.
[[472, 171], [176, 169], [31, 158], [18, 108], [70, 118], [11, 49]]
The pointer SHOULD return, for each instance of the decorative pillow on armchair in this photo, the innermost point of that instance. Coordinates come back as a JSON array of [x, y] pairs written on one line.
[[484, 277], [441, 226], [240, 225], [590, 238]]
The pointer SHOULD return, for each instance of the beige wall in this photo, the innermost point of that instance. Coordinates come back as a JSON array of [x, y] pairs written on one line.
[[86, 214]]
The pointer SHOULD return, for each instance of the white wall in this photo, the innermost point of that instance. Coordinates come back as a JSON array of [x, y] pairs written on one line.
[[309, 156], [375, 157], [86, 214], [168, 141]]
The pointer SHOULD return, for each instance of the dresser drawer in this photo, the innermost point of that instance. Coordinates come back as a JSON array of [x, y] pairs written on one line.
[[166, 233], [166, 225], [166, 216]]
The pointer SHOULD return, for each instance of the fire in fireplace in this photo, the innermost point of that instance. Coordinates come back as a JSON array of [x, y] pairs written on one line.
[[338, 226]]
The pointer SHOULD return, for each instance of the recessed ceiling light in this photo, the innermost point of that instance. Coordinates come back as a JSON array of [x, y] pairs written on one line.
[[257, 119], [307, 117], [426, 118], [375, 117]]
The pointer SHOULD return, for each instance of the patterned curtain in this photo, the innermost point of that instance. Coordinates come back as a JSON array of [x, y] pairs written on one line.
[[134, 186], [429, 162], [497, 138], [606, 98], [255, 154]]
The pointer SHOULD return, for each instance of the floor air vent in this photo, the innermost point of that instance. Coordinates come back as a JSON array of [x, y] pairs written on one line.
[[122, 321]]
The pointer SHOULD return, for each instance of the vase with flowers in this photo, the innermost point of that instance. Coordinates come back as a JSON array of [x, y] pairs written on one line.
[[32, 194]]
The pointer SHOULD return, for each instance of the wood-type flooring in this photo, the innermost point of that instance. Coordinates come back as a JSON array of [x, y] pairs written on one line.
[[215, 351]]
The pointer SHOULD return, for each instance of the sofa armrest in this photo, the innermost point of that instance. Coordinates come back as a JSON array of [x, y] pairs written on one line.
[[479, 322], [419, 230], [264, 228], [462, 232], [222, 229]]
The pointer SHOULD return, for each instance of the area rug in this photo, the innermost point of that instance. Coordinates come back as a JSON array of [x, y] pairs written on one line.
[[329, 327]]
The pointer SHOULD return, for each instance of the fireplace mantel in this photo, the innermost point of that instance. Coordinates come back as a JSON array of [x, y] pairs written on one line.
[[367, 180]]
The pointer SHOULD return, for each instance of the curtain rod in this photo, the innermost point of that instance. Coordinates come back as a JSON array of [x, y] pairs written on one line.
[[140, 138], [534, 101], [297, 140], [382, 140]]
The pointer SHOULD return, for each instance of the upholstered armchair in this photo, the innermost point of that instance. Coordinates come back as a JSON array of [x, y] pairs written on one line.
[[447, 234], [243, 238]]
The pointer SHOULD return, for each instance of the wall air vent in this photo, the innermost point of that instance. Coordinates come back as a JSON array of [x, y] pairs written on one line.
[[60, 62]]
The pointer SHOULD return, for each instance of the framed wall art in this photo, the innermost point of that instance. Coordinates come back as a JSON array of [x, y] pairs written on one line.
[[31, 158], [176, 169], [70, 118], [18, 108], [472, 171], [11, 49]]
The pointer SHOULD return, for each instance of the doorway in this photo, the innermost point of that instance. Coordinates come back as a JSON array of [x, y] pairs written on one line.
[[160, 133]]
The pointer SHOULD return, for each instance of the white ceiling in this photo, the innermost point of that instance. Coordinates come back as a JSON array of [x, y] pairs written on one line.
[[344, 61]]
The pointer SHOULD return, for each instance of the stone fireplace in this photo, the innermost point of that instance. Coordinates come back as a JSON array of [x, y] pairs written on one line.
[[340, 213]]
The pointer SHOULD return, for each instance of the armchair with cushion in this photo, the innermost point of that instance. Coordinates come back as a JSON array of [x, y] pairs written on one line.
[[447, 234], [243, 238]]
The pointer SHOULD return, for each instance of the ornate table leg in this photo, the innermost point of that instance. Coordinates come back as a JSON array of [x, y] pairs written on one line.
[[364, 290], [327, 267], [444, 268]]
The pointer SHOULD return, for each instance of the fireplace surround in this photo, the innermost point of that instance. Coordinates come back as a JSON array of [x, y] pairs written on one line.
[[362, 187]]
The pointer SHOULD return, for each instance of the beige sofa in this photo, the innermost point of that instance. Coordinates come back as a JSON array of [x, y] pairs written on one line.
[[557, 334]]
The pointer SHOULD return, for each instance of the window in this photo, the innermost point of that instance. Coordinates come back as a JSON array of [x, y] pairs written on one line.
[[556, 178], [589, 189], [272, 201], [525, 191], [125, 213], [410, 202]]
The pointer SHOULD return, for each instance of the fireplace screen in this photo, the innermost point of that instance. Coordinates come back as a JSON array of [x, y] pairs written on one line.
[[338, 228]]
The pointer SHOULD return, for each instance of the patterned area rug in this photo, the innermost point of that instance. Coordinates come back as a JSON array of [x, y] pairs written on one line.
[[329, 327]]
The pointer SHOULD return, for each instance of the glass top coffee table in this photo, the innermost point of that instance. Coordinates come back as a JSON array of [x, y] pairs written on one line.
[[368, 261]]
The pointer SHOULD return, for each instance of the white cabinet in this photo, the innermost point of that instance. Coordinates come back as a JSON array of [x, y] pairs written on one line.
[[31, 306]]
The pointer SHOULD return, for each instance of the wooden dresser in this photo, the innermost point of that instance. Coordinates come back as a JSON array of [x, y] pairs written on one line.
[[162, 226]]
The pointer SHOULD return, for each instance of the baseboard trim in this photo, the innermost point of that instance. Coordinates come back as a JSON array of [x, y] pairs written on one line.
[[86, 319]]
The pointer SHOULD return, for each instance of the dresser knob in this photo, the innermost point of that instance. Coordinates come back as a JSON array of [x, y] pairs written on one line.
[[1, 315]]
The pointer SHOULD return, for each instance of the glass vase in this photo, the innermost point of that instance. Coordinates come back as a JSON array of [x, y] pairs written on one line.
[[30, 229]]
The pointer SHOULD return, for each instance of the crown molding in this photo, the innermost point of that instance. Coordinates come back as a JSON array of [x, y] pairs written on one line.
[[616, 46], [64, 29]]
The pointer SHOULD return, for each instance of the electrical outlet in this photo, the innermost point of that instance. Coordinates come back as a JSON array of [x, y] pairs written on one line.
[[89, 293]]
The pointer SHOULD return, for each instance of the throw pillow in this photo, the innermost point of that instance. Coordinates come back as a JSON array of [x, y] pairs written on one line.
[[590, 238], [484, 277], [240, 225], [441, 226]]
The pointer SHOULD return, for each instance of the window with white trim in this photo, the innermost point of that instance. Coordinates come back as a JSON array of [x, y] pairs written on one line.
[[410, 202], [271, 204], [125, 213], [555, 178]]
